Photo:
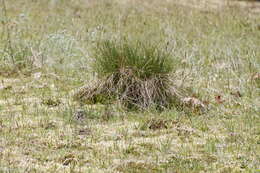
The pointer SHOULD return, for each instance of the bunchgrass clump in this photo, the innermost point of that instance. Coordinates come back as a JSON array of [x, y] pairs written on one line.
[[143, 61], [136, 74]]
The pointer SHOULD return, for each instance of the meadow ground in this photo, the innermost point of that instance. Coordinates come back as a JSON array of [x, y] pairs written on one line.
[[46, 51]]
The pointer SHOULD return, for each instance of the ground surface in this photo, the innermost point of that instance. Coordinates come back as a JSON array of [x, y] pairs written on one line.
[[252, 7], [217, 57]]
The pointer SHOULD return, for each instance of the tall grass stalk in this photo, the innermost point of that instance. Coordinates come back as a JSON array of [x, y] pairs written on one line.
[[8, 45]]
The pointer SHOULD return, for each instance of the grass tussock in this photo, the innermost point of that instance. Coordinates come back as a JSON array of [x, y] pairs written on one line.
[[136, 74]]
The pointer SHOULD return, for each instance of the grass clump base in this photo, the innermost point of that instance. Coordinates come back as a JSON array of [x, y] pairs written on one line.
[[136, 74]]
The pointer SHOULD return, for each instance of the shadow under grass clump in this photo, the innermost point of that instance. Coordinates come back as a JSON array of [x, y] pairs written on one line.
[[137, 75]]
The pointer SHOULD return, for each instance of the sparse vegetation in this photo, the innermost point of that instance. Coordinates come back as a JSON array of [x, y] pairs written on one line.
[[211, 51], [14, 56]]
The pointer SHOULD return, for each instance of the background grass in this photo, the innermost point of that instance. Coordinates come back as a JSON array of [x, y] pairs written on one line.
[[218, 59]]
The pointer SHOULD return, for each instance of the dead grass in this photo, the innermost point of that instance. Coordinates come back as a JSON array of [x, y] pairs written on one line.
[[219, 62]]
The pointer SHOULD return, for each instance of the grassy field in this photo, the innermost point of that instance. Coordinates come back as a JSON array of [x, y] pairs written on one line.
[[46, 52]]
